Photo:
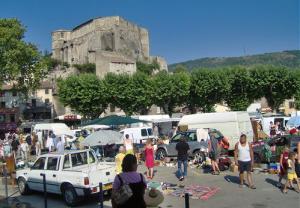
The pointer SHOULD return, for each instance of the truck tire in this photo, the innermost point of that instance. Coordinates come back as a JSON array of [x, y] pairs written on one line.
[[23, 186], [161, 154], [69, 195]]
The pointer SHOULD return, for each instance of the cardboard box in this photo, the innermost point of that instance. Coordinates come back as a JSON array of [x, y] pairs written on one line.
[[234, 168]]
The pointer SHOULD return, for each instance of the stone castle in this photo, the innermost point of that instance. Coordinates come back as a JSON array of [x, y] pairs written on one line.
[[112, 43]]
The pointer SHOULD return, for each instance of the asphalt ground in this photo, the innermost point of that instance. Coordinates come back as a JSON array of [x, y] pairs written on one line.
[[267, 195]]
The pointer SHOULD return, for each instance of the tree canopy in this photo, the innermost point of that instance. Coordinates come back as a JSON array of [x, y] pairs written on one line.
[[85, 93], [20, 62]]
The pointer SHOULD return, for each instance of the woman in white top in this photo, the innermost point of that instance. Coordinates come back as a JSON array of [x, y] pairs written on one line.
[[128, 144], [243, 156]]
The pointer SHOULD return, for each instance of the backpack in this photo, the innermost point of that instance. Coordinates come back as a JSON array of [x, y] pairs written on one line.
[[123, 194]]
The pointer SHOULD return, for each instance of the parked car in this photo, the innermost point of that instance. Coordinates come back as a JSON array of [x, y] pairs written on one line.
[[197, 149], [278, 143], [73, 174]]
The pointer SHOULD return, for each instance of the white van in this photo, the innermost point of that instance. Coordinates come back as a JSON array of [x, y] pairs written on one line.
[[265, 121], [230, 124], [58, 129], [139, 135]]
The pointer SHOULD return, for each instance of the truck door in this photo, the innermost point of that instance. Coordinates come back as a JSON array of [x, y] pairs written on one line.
[[51, 172], [35, 180]]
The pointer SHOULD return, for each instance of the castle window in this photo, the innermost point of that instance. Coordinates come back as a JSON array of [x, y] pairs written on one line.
[[61, 34]]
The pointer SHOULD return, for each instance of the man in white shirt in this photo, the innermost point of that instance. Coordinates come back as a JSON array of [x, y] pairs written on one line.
[[24, 150], [60, 146]]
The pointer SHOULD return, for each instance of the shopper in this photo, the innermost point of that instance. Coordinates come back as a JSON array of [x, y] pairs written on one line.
[[119, 159], [291, 173], [214, 153], [15, 144], [149, 157], [24, 150], [243, 156], [38, 147], [182, 148], [283, 165], [60, 147], [128, 144], [135, 180]]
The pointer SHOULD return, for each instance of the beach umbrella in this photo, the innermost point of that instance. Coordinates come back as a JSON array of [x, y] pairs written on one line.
[[293, 122], [103, 137]]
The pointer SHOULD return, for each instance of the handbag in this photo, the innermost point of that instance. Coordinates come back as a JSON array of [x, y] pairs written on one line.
[[123, 194]]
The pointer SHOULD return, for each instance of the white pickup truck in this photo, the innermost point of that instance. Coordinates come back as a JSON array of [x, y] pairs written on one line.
[[74, 174]]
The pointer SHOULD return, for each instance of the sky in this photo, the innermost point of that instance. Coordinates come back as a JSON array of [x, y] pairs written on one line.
[[179, 30]]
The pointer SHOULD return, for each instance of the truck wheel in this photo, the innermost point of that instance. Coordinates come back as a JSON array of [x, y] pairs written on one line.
[[161, 154], [199, 156], [70, 196], [23, 186]]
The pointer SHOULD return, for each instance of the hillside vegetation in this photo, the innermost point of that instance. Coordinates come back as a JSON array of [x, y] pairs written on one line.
[[290, 59]]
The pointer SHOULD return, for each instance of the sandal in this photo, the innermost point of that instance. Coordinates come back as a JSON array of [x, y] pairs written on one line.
[[284, 191], [252, 187]]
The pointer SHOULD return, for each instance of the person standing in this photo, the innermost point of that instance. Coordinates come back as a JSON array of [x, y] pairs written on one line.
[[297, 161], [135, 180], [284, 156], [15, 147], [214, 152], [119, 159], [29, 142], [182, 148], [291, 173], [243, 156], [38, 147], [128, 144], [24, 150], [60, 147], [149, 156], [49, 143]]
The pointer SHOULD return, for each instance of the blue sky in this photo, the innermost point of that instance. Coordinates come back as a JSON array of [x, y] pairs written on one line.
[[179, 30]]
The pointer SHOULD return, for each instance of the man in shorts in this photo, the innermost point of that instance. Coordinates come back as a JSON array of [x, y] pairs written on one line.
[[243, 156]]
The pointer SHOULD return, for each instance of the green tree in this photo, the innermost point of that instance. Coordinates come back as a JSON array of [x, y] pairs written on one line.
[[86, 68], [275, 83], [133, 94], [180, 68], [85, 93], [20, 62], [171, 90], [147, 68], [242, 89], [207, 88]]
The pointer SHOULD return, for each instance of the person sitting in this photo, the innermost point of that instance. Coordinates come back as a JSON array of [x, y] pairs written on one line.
[[135, 180]]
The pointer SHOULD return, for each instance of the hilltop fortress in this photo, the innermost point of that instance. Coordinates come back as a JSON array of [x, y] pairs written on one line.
[[112, 43]]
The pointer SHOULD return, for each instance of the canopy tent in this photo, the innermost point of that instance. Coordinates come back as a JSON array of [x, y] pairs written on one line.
[[114, 120], [103, 137], [293, 122]]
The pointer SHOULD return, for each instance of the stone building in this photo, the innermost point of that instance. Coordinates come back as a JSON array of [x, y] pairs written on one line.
[[112, 43]]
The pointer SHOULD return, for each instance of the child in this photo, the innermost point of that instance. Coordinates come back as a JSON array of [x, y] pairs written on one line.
[[119, 159], [283, 165], [149, 157], [291, 173]]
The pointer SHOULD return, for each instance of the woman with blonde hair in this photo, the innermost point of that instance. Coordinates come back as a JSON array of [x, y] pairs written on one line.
[[149, 158]]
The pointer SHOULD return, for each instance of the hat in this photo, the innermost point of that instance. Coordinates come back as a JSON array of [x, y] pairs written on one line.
[[153, 197]]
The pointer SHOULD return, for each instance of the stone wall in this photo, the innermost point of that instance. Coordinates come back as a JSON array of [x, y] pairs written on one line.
[[112, 34]]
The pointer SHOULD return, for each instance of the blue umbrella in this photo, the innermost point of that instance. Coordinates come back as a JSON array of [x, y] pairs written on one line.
[[293, 122]]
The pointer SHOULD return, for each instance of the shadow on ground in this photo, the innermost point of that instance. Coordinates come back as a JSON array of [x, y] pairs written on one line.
[[272, 182], [232, 179]]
